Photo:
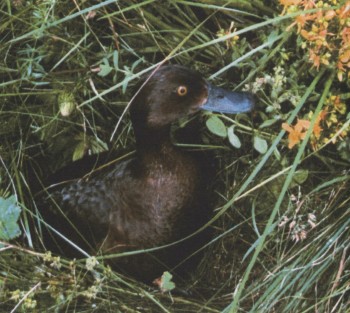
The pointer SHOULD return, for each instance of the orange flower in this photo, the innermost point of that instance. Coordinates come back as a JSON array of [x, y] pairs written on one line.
[[297, 132], [345, 35], [329, 15], [315, 58], [288, 3], [315, 31], [308, 4], [317, 127], [300, 21], [345, 57], [344, 11]]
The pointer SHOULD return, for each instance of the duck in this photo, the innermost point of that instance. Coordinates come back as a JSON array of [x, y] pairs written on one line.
[[145, 210]]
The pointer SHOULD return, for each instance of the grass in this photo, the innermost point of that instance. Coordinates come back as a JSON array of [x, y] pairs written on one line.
[[282, 219]]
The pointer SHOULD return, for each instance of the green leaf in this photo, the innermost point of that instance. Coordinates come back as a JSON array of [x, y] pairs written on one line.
[[116, 59], [300, 177], [98, 146], [105, 68], [136, 63], [125, 83], [277, 154], [9, 215], [165, 283], [79, 151], [233, 138], [268, 123], [260, 145], [272, 37], [66, 103], [216, 126]]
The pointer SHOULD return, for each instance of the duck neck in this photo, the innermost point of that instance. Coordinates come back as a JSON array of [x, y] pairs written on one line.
[[154, 141]]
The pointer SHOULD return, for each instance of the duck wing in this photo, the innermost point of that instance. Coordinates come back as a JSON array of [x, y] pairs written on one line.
[[79, 210]]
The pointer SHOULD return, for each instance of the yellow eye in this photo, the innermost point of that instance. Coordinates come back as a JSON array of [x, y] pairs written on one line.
[[181, 91]]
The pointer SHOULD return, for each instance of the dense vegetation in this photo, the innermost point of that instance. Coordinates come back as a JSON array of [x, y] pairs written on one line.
[[282, 221]]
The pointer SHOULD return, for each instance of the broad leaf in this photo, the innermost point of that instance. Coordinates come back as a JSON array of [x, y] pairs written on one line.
[[9, 215], [260, 145], [105, 68], [216, 126], [165, 283], [233, 138]]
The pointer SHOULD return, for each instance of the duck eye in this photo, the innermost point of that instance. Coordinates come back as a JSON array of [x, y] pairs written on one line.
[[181, 91]]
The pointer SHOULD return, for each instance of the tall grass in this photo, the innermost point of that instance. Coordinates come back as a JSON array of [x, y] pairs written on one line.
[[282, 221]]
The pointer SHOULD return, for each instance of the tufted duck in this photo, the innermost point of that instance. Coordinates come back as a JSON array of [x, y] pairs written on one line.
[[156, 198]]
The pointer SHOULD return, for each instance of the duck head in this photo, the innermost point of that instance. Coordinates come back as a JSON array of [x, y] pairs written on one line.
[[175, 91]]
